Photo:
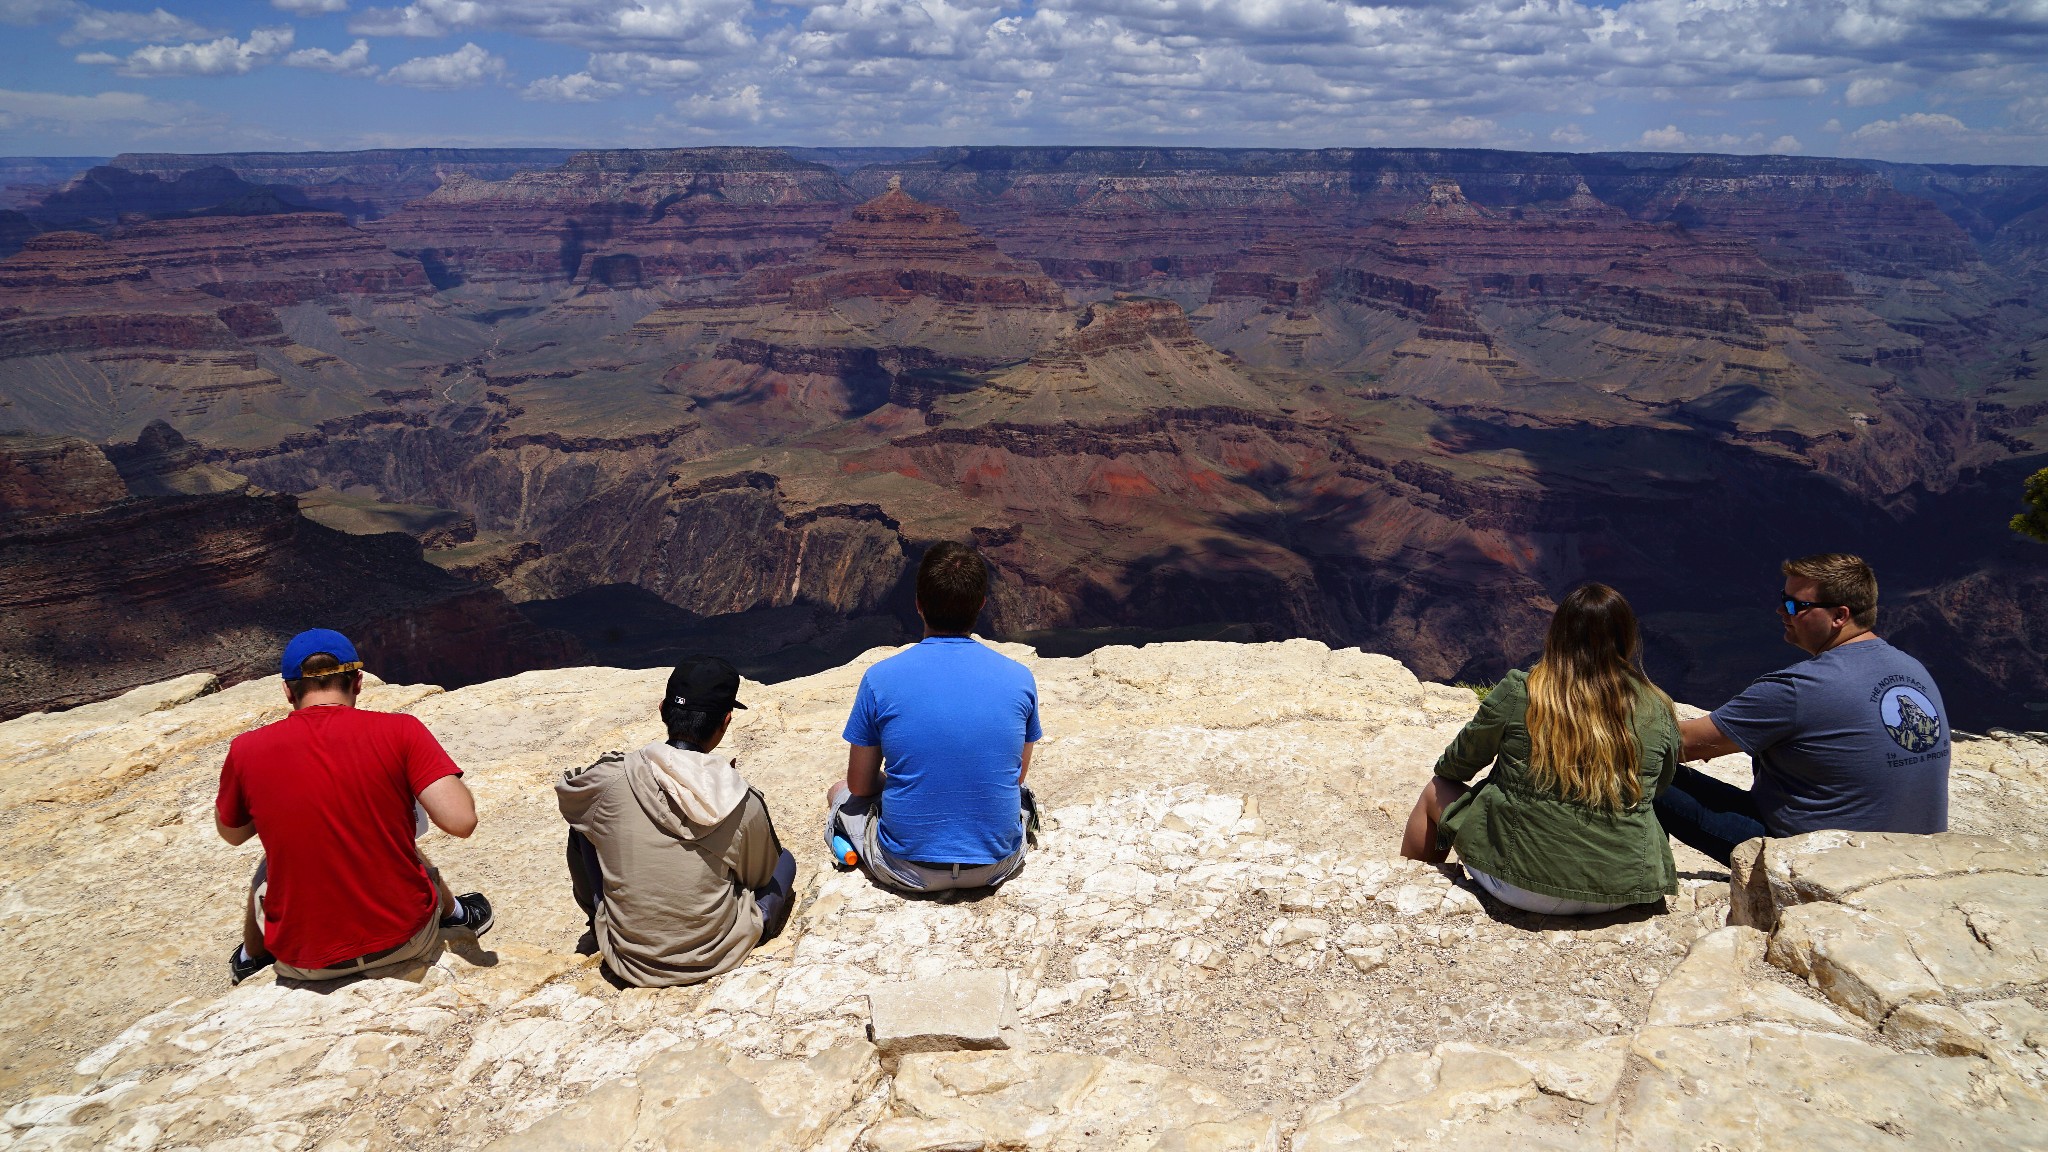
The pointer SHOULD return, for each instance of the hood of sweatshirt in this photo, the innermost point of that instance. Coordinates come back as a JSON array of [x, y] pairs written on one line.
[[684, 793]]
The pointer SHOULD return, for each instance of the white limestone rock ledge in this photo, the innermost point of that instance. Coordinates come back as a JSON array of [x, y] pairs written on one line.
[[1214, 948]]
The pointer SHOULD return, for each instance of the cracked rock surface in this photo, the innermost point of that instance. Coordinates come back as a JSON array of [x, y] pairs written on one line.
[[1213, 947]]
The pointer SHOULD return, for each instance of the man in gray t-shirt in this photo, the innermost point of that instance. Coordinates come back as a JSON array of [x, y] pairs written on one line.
[[1854, 737]]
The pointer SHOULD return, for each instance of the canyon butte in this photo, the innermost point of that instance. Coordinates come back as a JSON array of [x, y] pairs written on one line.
[[633, 403]]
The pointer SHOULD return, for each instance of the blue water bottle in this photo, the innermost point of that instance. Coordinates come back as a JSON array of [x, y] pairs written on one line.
[[843, 851]]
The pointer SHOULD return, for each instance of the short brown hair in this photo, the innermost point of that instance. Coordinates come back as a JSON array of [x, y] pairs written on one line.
[[323, 671], [952, 583], [1843, 579]]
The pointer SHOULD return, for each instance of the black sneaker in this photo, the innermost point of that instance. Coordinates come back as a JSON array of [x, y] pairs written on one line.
[[476, 914], [240, 969]]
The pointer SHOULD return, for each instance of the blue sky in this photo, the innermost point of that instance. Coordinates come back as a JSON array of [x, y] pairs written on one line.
[[1925, 80]]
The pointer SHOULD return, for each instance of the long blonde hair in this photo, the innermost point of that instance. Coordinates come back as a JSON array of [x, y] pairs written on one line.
[[1582, 702]]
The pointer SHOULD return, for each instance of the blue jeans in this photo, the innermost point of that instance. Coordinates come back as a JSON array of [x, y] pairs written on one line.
[[1708, 814], [775, 900]]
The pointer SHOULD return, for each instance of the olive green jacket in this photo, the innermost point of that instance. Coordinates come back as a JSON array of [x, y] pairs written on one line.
[[1538, 840]]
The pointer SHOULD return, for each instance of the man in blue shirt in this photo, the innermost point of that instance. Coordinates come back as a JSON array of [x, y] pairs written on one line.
[[1855, 737], [941, 737]]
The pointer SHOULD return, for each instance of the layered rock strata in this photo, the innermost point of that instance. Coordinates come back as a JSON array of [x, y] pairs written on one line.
[[622, 219], [1210, 948], [363, 184], [1420, 393], [110, 568]]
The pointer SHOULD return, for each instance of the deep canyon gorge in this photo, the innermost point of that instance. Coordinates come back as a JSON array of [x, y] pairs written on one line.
[[625, 404]]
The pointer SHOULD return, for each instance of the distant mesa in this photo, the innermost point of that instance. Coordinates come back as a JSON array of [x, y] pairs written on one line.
[[898, 246], [1446, 204]]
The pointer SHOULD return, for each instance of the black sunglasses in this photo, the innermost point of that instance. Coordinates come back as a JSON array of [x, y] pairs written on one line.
[[1793, 607]]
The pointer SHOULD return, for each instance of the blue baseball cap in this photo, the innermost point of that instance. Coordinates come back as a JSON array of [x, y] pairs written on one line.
[[313, 642]]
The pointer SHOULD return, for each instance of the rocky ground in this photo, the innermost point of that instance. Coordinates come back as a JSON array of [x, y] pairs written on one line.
[[1213, 947]]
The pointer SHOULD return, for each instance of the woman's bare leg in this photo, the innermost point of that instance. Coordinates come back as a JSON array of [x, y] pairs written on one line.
[[1418, 840]]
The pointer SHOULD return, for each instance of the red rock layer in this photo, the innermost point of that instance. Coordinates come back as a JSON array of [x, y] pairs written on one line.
[[160, 285], [278, 260], [62, 261]]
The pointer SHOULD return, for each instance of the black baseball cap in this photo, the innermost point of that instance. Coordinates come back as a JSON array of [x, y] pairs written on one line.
[[704, 684]]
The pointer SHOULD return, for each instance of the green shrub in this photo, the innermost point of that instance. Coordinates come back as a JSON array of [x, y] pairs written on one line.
[[1479, 690], [2033, 523]]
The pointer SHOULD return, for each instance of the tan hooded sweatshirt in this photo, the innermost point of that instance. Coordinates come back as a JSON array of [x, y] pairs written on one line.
[[682, 840]]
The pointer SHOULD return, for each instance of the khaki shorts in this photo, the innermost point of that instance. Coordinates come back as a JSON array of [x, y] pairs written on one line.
[[859, 818], [422, 941]]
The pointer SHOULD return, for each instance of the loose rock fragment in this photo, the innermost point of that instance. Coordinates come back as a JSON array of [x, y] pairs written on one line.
[[958, 1012]]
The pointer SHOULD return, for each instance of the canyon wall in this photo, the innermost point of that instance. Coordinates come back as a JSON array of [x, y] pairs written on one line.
[[118, 564], [1397, 398]]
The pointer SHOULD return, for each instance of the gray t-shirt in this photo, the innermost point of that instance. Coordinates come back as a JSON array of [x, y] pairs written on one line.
[[1853, 738]]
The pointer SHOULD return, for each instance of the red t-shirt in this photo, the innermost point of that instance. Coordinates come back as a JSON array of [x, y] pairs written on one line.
[[330, 790]]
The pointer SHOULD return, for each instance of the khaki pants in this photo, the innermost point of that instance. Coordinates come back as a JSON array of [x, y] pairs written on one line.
[[421, 943]]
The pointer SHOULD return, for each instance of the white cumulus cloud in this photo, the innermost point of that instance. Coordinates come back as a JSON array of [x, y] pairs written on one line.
[[575, 88], [1920, 134], [1671, 138], [467, 67], [89, 23], [644, 69], [225, 56], [601, 25], [735, 108], [353, 60], [1502, 73], [1865, 91]]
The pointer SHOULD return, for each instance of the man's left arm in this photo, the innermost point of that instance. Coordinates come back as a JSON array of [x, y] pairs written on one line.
[[863, 736], [1764, 714], [1704, 740], [1033, 733]]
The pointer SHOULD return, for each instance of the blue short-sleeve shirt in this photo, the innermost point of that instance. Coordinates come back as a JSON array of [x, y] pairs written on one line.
[[951, 717], [1853, 738]]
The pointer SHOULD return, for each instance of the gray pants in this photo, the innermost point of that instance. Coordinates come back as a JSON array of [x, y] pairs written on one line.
[[858, 818]]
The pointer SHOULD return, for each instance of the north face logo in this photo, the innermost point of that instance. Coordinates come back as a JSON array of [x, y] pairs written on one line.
[[1911, 719]]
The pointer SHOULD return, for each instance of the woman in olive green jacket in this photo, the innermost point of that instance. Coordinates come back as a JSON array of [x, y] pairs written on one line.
[[1579, 747]]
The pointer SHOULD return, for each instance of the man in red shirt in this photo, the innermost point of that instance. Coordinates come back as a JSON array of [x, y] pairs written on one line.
[[331, 789]]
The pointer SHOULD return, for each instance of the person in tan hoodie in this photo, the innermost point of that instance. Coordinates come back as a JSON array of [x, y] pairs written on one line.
[[672, 855]]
